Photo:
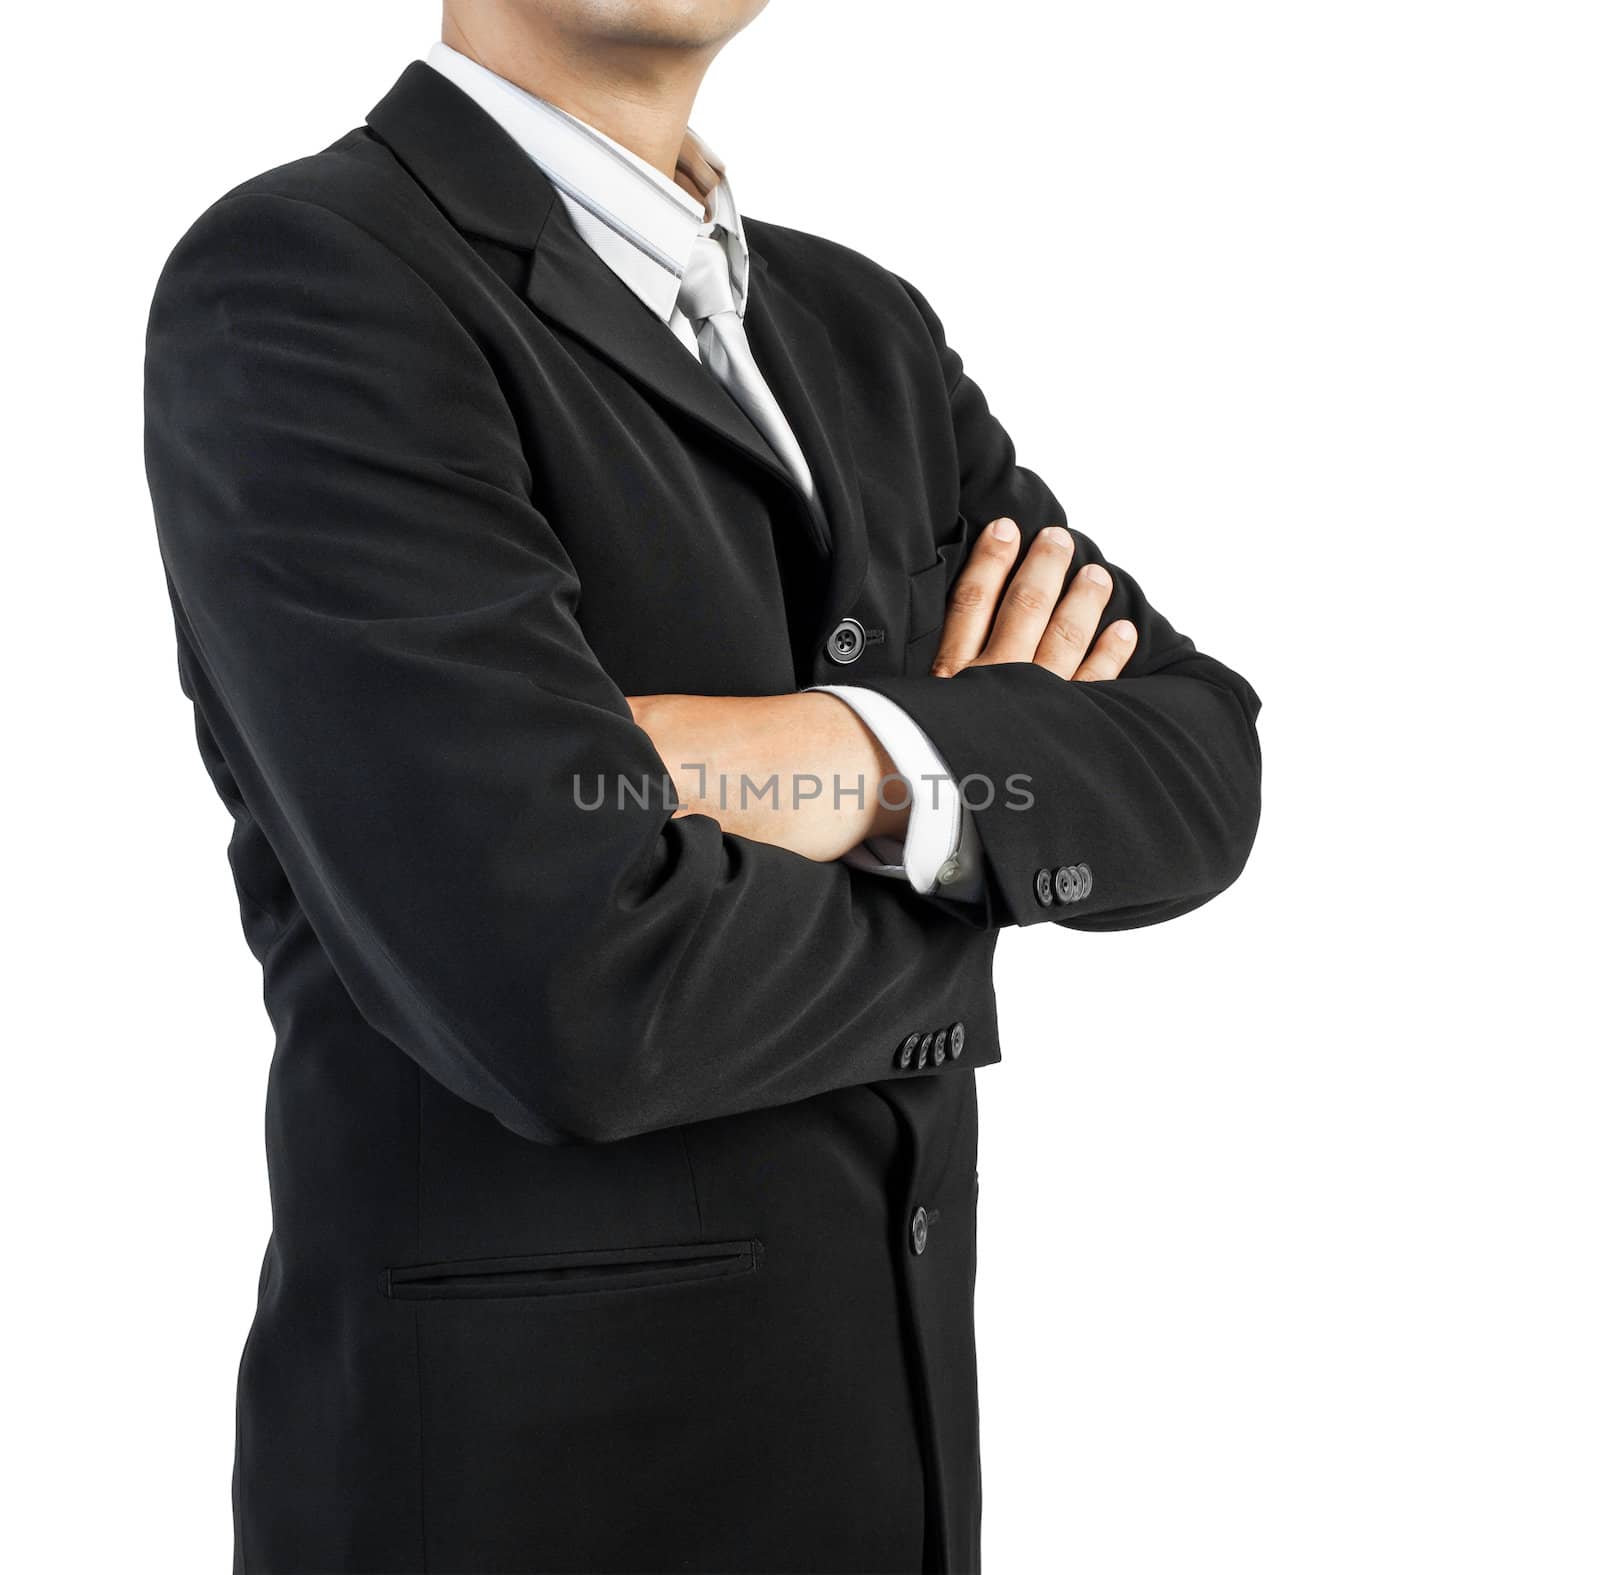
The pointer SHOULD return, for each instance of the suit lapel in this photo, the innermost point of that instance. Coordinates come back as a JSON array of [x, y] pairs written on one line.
[[488, 187], [796, 356], [461, 157], [570, 285]]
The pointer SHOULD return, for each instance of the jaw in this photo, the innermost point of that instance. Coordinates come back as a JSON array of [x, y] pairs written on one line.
[[607, 26]]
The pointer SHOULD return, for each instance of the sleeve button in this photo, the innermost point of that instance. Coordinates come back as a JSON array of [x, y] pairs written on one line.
[[1043, 888], [919, 1231], [958, 1040]]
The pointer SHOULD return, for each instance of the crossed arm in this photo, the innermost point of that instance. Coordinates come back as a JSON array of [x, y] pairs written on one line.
[[1040, 617]]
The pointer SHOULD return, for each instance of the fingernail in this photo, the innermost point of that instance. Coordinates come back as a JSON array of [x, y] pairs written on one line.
[[1004, 530], [1096, 575], [1124, 631], [1054, 533]]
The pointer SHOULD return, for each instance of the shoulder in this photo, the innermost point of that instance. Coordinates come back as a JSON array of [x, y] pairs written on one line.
[[840, 281], [352, 203], [317, 264]]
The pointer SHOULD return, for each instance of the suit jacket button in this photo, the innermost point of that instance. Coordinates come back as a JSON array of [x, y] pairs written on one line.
[[924, 1050], [919, 1231], [958, 1040], [907, 1052], [940, 1040], [847, 641], [1068, 886], [1086, 876], [1043, 889]]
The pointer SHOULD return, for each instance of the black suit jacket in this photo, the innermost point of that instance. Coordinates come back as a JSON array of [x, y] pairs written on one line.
[[612, 1228]]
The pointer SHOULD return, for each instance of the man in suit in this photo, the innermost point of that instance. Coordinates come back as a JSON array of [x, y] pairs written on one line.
[[623, 1150]]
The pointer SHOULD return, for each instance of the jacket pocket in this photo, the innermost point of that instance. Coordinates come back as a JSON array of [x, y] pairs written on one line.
[[608, 1269], [927, 593]]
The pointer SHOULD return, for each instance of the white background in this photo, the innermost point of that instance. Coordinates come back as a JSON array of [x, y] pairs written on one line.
[[1289, 1255]]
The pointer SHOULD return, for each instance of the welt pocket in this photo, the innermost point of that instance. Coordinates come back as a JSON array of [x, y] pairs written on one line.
[[607, 1269], [927, 590]]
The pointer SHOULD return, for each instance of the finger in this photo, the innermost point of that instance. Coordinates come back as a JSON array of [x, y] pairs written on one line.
[[1109, 654], [1066, 638], [975, 595], [1030, 599]]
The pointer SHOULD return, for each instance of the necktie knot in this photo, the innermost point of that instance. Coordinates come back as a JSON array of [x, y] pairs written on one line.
[[706, 287]]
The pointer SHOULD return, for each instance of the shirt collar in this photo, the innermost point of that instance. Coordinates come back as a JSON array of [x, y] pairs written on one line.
[[640, 223]]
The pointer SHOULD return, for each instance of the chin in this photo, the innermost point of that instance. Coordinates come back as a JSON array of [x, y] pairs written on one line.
[[685, 24]]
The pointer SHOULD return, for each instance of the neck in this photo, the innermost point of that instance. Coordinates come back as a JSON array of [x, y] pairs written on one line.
[[638, 94]]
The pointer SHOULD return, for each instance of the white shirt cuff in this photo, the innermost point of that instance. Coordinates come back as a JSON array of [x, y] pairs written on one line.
[[941, 852]]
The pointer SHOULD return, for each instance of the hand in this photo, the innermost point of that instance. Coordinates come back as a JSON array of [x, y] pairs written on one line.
[[1034, 621], [800, 771]]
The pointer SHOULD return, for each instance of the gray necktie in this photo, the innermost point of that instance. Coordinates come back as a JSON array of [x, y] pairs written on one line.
[[706, 298]]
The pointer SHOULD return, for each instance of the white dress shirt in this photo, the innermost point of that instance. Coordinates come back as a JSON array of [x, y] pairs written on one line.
[[644, 227]]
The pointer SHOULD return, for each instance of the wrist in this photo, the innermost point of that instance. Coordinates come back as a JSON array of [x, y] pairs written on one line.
[[860, 767], [825, 764]]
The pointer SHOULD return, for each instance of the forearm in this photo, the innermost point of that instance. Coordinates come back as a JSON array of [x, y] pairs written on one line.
[[797, 771], [1153, 783], [1153, 780]]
